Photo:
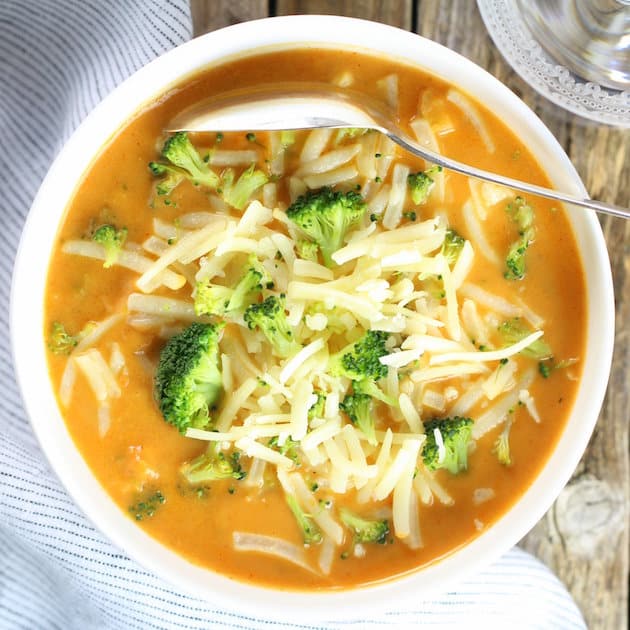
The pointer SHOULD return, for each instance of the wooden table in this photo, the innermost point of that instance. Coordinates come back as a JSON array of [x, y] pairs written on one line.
[[584, 536]]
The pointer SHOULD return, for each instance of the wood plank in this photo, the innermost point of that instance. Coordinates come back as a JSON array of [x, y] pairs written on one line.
[[209, 15], [393, 12]]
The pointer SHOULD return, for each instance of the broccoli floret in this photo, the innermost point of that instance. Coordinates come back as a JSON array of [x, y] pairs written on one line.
[[421, 183], [515, 260], [513, 330], [287, 138], [370, 388], [212, 466], [188, 381], [456, 435], [502, 444], [523, 215], [172, 177], [310, 531], [326, 216], [289, 448], [434, 286], [359, 406], [360, 410], [360, 360], [112, 241], [452, 246], [181, 153], [239, 193], [365, 531], [147, 506], [270, 318], [335, 322], [59, 341], [307, 250], [213, 299], [317, 408], [547, 367]]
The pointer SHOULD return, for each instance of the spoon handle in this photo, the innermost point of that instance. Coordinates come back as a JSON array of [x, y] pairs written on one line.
[[310, 106], [495, 178]]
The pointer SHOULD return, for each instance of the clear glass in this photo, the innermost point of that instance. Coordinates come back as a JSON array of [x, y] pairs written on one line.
[[590, 37]]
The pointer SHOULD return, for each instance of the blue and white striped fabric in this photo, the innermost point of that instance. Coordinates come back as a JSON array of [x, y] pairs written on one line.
[[58, 58]]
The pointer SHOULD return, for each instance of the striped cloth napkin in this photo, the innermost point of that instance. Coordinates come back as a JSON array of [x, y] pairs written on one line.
[[58, 59]]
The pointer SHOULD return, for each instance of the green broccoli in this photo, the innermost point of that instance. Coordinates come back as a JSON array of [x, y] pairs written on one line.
[[326, 216], [434, 286], [213, 299], [370, 388], [270, 318], [307, 250], [147, 506], [317, 408], [515, 260], [185, 162], [365, 531], [59, 341], [360, 410], [212, 466], [172, 177], [188, 383], [513, 330], [547, 367], [239, 193], [360, 360], [523, 215], [421, 183], [502, 444], [289, 448], [112, 241], [452, 246], [310, 531], [456, 435], [336, 323]]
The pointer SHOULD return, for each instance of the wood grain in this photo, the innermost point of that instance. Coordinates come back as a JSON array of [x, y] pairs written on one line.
[[394, 12], [584, 538], [209, 15]]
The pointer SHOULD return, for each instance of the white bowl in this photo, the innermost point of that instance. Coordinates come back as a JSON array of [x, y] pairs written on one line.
[[36, 247]]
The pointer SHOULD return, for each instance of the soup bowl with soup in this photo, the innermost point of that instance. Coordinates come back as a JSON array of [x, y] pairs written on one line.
[[304, 370]]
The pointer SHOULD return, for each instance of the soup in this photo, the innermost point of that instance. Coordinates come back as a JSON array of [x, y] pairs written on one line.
[[309, 360]]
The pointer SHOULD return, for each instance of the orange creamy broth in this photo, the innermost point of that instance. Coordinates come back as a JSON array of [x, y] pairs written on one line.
[[118, 188]]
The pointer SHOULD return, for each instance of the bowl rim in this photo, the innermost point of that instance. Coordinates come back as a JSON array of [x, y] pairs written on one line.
[[49, 208]]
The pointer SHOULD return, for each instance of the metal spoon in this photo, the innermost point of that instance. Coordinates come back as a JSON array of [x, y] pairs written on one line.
[[312, 105]]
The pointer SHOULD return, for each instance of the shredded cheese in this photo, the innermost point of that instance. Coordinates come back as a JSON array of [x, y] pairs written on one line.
[[491, 355]]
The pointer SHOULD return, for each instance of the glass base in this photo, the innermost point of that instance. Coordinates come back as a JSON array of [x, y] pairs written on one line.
[[556, 81], [590, 37]]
